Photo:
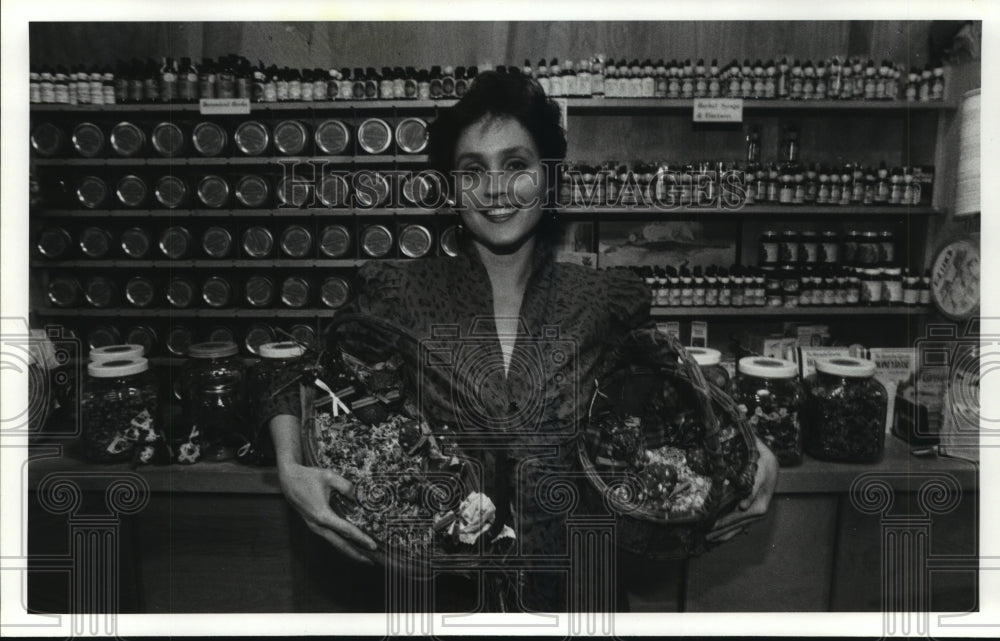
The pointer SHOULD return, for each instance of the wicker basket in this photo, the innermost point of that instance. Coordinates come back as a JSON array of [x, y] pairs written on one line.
[[651, 360]]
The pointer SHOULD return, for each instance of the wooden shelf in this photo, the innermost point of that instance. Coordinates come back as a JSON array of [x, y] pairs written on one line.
[[236, 213], [682, 312], [617, 105], [396, 159], [188, 107], [167, 313], [751, 211], [208, 263]]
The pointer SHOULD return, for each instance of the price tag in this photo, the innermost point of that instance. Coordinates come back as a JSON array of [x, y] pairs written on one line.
[[718, 110], [224, 106]]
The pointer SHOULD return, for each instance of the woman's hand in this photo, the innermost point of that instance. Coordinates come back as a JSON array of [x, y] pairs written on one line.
[[754, 506], [308, 490]]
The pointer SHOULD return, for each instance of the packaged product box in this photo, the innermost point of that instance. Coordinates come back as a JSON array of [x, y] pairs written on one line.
[[771, 346], [805, 357], [670, 327], [893, 366]]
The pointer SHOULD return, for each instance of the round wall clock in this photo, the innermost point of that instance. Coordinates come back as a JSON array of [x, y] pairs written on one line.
[[955, 277]]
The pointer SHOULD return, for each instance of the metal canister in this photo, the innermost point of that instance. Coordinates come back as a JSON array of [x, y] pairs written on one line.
[[335, 241], [132, 191], [332, 137], [92, 192], [252, 138], [99, 292], [376, 241], [140, 292], [415, 241], [221, 334], [170, 191], [252, 191], [216, 292], [103, 336], [47, 139], [54, 242], [333, 190], [256, 335], [374, 189], [295, 292], [217, 242], [411, 135], [179, 339], [449, 240], [258, 242], [127, 139], [293, 193], [64, 292], [175, 242], [259, 291], [374, 136], [95, 242], [88, 139], [420, 190], [180, 293], [168, 139], [142, 335], [208, 138], [290, 137], [213, 191], [335, 292], [296, 241], [305, 335]]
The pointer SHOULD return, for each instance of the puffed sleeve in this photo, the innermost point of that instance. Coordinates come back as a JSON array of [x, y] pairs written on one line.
[[629, 299]]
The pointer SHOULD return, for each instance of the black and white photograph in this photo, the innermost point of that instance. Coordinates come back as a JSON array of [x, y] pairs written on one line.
[[323, 319]]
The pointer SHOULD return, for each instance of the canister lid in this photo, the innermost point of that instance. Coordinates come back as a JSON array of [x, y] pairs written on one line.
[[143, 336], [449, 240], [63, 292], [213, 350], [46, 139], [763, 367], [372, 180], [332, 137], [292, 192], [256, 336], [374, 135], [290, 137], [846, 366], [53, 242], [335, 241], [216, 291], [88, 139], [285, 349], [179, 340], [376, 240], [115, 352], [103, 335], [411, 135], [140, 291], [99, 291], [415, 241], [333, 190], [217, 241], [335, 292], [705, 356], [131, 191], [221, 334], [258, 241], [304, 334], [127, 139], [213, 191], [91, 191], [95, 242], [180, 292], [259, 291], [209, 138], [118, 368], [252, 191], [295, 291], [170, 191], [174, 242], [296, 241], [252, 138], [168, 139]]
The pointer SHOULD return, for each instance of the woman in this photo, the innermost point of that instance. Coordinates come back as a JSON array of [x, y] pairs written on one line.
[[532, 334]]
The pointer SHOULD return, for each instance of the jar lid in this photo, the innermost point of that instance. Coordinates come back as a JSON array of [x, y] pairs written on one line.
[[846, 366], [216, 291], [763, 367], [376, 240], [252, 138], [259, 291], [95, 242], [335, 241], [221, 334], [372, 180], [127, 139], [209, 138], [335, 292], [296, 241], [449, 240], [290, 137], [304, 334], [180, 292], [295, 291], [63, 292], [292, 192], [252, 191], [168, 139], [415, 241], [705, 356], [213, 191], [131, 191], [139, 291], [99, 291], [215, 349], [174, 242], [333, 190], [103, 335], [258, 241], [115, 352], [143, 336], [285, 349], [217, 242], [91, 191], [46, 139], [179, 340], [411, 135], [256, 336], [170, 191], [374, 135], [118, 368], [419, 189], [53, 242], [332, 137], [88, 139]]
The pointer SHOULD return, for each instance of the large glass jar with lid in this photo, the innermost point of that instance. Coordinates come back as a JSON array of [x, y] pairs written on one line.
[[119, 405], [710, 362], [278, 368], [768, 392], [213, 394], [845, 411]]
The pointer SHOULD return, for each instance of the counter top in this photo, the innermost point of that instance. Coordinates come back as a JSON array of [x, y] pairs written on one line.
[[902, 471]]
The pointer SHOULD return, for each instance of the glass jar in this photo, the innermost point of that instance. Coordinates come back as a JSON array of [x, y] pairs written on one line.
[[788, 247], [710, 362], [846, 411], [829, 248], [279, 365], [213, 394], [809, 247], [119, 399], [769, 394], [768, 248], [868, 249]]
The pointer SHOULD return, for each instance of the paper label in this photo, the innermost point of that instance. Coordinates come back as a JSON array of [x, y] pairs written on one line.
[[892, 367], [224, 106], [718, 110]]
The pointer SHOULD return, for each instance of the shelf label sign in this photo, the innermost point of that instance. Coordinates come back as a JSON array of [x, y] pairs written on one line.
[[718, 110], [224, 106]]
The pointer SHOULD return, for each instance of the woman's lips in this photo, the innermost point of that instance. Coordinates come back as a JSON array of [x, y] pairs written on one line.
[[498, 215]]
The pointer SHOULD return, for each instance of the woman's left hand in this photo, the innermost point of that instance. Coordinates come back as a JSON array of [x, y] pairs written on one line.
[[754, 507]]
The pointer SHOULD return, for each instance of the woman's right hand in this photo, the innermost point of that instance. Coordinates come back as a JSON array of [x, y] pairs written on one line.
[[308, 490]]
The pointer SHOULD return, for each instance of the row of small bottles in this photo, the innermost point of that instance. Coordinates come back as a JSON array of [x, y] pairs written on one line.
[[210, 139], [784, 287], [827, 248], [233, 76], [256, 291], [831, 79], [334, 241], [175, 339]]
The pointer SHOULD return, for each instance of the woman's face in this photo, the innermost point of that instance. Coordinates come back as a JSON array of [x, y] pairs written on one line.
[[500, 184]]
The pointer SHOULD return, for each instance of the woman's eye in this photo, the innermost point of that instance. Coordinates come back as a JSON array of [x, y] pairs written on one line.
[[474, 169], [517, 165]]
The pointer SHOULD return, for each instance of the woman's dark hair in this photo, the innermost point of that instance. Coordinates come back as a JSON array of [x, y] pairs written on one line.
[[499, 94]]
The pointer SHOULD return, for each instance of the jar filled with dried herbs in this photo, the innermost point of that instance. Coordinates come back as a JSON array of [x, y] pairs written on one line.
[[213, 394], [845, 411], [120, 403], [768, 392]]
